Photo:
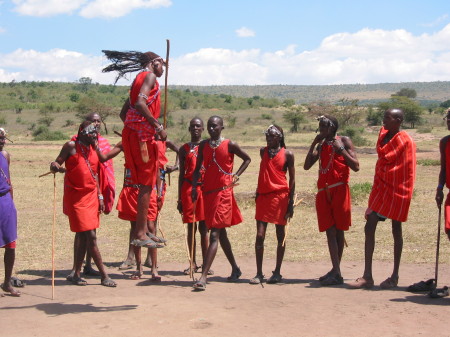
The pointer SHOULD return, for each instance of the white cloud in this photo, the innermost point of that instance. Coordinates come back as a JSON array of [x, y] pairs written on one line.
[[245, 32], [435, 22], [2, 30], [118, 8], [366, 56], [85, 8], [47, 7]]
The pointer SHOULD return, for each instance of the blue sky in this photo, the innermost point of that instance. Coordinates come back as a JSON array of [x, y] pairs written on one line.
[[230, 42]]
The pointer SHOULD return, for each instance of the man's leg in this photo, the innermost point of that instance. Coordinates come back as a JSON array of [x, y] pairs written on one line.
[[9, 258], [76, 244], [333, 248], [226, 247], [88, 270], [280, 248], [204, 241], [398, 247], [192, 242], [128, 263], [96, 256], [261, 228], [210, 254], [142, 212], [152, 253]]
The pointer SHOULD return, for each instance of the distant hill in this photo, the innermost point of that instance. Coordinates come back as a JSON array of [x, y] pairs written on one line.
[[427, 92]]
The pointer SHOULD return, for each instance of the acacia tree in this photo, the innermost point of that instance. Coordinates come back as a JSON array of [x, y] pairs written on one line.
[[406, 92], [411, 108], [294, 116]]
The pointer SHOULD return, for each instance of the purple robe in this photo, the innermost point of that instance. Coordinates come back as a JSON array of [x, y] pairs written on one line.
[[8, 214]]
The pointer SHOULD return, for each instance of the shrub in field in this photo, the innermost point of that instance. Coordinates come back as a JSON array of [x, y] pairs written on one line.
[[429, 162], [43, 133], [360, 190], [356, 135], [2, 120]]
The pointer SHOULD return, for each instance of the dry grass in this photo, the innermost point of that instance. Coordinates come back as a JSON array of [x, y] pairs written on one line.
[[34, 201]]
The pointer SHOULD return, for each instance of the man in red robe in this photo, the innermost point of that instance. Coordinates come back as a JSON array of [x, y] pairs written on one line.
[[188, 160], [216, 155], [391, 194], [274, 198], [336, 156]]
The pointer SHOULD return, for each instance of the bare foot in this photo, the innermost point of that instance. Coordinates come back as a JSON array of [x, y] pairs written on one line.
[[155, 276], [7, 288]]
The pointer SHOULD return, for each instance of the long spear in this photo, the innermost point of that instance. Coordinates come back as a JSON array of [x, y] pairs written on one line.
[[165, 83]]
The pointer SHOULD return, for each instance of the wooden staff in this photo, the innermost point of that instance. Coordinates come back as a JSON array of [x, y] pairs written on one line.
[[158, 225], [165, 84], [53, 236], [296, 203], [194, 225]]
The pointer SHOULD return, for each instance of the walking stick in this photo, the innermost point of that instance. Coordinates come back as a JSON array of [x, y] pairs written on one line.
[[165, 83], [53, 235], [194, 225], [296, 203], [158, 226], [437, 249]]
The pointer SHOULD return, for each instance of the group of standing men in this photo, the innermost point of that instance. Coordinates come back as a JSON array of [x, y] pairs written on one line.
[[207, 178]]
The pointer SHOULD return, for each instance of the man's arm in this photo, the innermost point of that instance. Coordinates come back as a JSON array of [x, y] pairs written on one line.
[[173, 147], [442, 174], [111, 154], [313, 153], [67, 150], [182, 158], [196, 174], [291, 170], [235, 149], [344, 146]]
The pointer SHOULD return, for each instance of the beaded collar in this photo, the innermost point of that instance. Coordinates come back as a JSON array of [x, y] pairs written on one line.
[[215, 143]]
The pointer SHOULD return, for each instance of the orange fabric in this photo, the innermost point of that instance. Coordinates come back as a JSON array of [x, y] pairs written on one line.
[[222, 210], [162, 148], [273, 189], [447, 163], [447, 213], [80, 201], [142, 173], [334, 208], [395, 173]]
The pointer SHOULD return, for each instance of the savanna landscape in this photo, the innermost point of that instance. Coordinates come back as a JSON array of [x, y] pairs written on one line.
[[41, 116]]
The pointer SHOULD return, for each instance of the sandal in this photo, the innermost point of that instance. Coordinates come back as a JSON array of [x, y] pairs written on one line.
[[89, 271], [332, 280], [187, 271], [389, 283], [422, 286], [155, 238], [199, 286], [156, 278], [108, 282], [78, 281], [235, 274], [361, 282], [325, 276], [127, 265], [12, 292], [439, 293], [136, 275], [16, 282], [146, 243], [210, 271], [258, 279], [275, 278]]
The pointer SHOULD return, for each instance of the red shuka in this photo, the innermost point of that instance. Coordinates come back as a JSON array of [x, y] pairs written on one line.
[[395, 173], [333, 207], [186, 188], [80, 201], [273, 189], [222, 210]]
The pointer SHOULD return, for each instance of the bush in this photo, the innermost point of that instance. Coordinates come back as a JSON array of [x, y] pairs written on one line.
[[429, 162], [46, 120], [355, 135], [266, 116], [43, 133], [69, 122], [360, 190], [2, 120]]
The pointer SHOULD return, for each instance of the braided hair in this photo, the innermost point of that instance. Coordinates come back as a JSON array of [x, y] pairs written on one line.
[[128, 61], [279, 131]]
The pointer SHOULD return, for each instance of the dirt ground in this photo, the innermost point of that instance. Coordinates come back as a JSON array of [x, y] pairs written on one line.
[[297, 306]]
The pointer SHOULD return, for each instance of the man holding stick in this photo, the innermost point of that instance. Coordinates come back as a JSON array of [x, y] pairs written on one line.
[[216, 154], [139, 113], [391, 194], [8, 218]]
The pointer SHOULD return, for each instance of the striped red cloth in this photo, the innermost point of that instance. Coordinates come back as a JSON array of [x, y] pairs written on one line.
[[395, 173]]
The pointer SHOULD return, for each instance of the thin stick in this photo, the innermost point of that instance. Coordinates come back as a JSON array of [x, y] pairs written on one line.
[[296, 203], [158, 225], [45, 174], [165, 84], [194, 225], [437, 248], [118, 133], [53, 236]]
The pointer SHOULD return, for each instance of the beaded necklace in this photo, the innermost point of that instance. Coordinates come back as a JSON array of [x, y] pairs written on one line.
[[85, 156], [273, 152], [214, 144], [330, 161]]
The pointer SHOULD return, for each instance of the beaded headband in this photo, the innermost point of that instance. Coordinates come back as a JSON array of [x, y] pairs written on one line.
[[325, 120], [274, 128]]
